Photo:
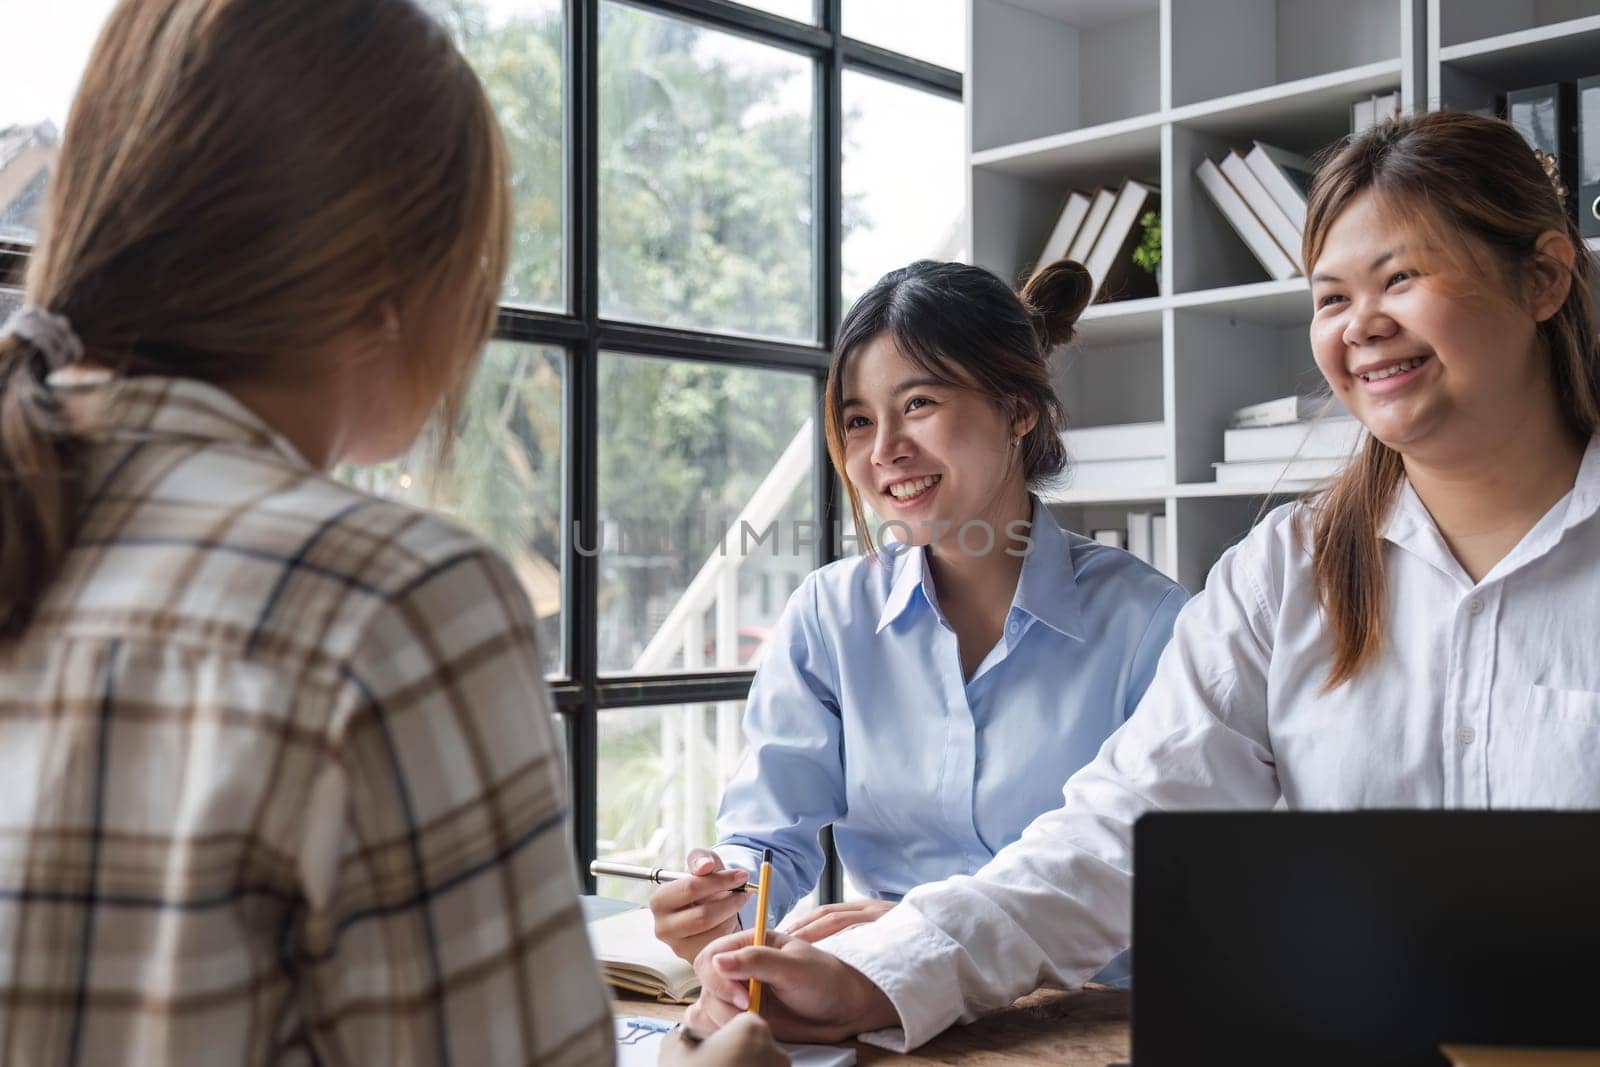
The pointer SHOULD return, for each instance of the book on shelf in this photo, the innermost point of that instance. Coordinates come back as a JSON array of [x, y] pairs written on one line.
[[1147, 538], [1363, 115], [1274, 218], [1285, 409], [1130, 440], [1272, 471], [1244, 222], [1380, 107], [1111, 536], [1330, 438], [1117, 473], [1285, 176], [1073, 210], [1140, 534], [631, 958], [1093, 221], [1110, 264]]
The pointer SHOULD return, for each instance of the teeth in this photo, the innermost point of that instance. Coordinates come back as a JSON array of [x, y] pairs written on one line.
[[907, 490], [1390, 372]]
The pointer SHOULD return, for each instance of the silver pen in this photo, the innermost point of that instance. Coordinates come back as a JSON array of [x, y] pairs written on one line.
[[658, 875]]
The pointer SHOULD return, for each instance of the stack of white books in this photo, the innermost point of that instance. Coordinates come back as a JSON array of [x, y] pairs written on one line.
[[1380, 107], [1262, 194], [1117, 457], [1291, 439], [1101, 231], [1145, 537]]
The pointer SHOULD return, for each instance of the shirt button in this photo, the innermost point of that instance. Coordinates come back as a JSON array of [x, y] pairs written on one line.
[[1013, 627], [1475, 606], [1466, 735]]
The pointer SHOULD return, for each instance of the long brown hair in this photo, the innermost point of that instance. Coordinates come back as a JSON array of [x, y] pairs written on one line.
[[965, 327], [240, 182], [1476, 192]]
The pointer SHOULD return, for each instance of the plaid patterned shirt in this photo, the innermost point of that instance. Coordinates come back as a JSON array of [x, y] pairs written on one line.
[[278, 782]]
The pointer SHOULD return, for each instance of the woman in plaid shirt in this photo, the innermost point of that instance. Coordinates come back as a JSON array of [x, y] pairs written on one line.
[[277, 776]]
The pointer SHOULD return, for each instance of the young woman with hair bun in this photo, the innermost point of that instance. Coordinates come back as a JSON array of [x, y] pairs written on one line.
[[928, 697], [1421, 634]]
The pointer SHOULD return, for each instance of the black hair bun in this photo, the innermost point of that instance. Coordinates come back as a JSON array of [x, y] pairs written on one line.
[[1055, 297]]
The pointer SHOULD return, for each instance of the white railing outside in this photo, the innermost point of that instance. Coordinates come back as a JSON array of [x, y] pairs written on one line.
[[715, 587]]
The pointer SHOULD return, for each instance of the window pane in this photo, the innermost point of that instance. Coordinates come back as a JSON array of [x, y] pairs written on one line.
[[516, 46], [931, 30], [40, 81], [904, 184], [508, 474], [686, 451], [706, 178], [799, 10], [558, 723], [662, 772]]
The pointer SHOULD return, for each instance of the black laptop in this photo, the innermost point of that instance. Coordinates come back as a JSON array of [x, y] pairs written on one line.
[[1363, 938]]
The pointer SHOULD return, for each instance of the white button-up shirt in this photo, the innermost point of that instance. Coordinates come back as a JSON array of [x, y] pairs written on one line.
[[1487, 695]]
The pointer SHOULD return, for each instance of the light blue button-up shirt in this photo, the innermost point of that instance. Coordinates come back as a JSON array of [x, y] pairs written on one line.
[[859, 716]]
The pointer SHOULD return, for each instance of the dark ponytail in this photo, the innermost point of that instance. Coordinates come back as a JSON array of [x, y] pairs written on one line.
[[40, 474], [1055, 298], [962, 325]]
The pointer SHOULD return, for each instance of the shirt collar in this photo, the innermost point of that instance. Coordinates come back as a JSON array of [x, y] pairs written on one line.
[[910, 574], [1586, 488], [149, 408], [1411, 527], [1047, 589]]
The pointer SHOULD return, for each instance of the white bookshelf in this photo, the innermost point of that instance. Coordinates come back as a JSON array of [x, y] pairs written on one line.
[[1076, 94], [1480, 48]]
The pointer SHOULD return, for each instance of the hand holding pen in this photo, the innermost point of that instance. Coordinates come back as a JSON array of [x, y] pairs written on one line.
[[691, 912]]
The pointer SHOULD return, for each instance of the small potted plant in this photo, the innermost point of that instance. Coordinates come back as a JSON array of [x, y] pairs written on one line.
[[1148, 255]]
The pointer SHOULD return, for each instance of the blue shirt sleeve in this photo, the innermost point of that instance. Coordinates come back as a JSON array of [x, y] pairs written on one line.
[[790, 781], [1142, 666]]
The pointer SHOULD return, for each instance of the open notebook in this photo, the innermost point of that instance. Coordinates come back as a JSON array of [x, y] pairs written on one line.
[[631, 958]]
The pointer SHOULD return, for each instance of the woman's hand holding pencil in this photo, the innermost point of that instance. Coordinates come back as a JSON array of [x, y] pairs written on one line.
[[807, 994], [692, 912]]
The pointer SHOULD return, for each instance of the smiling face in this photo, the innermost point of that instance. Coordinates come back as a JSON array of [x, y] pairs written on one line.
[[925, 453], [1437, 364]]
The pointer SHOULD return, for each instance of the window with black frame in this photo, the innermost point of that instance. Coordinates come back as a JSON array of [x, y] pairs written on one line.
[[700, 187]]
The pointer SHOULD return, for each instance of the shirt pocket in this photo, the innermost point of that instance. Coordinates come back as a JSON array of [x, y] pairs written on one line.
[[1547, 753]]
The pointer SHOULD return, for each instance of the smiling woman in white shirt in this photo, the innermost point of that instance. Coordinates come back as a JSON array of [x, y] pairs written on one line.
[[1421, 634], [927, 699]]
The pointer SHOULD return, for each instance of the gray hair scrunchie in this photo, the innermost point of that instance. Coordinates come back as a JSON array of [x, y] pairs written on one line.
[[48, 332]]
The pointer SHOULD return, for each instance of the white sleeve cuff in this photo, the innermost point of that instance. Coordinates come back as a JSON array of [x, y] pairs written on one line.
[[913, 962]]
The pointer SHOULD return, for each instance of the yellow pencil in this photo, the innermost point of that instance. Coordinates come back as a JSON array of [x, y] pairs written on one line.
[[761, 923]]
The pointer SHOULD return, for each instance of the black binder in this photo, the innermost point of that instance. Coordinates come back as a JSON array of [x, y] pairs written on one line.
[[1547, 115], [1588, 187]]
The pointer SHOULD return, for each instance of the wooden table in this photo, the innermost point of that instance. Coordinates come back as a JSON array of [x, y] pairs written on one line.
[[1076, 1028]]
